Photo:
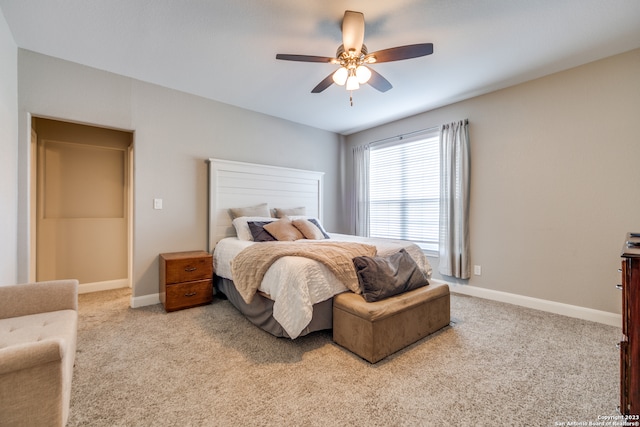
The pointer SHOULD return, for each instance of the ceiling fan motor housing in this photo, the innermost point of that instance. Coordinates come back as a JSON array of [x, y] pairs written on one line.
[[350, 60]]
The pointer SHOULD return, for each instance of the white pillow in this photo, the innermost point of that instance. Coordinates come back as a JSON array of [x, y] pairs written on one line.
[[242, 227]]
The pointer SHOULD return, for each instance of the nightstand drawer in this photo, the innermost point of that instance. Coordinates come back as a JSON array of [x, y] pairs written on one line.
[[188, 268], [189, 294]]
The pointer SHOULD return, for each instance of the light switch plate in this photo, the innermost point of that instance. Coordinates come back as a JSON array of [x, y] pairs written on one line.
[[477, 270], [157, 203]]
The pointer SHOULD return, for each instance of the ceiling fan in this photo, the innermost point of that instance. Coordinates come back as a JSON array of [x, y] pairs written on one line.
[[354, 58]]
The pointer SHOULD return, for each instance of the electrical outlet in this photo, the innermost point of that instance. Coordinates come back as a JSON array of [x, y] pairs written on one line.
[[157, 203], [477, 270]]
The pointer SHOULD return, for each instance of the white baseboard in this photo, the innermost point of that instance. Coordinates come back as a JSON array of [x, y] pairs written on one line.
[[578, 312], [85, 288], [145, 300], [136, 302]]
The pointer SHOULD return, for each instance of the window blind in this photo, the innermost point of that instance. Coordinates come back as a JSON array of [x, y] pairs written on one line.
[[404, 190]]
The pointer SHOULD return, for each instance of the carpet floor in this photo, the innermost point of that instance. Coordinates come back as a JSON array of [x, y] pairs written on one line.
[[495, 365]]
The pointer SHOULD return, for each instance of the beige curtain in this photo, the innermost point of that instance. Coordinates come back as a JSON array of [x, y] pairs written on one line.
[[454, 200]]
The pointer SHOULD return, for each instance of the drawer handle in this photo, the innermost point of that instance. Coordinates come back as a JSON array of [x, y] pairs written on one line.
[[619, 287], [190, 269], [190, 294]]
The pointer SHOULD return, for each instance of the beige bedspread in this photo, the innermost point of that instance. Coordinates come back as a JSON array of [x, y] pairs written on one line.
[[251, 264]]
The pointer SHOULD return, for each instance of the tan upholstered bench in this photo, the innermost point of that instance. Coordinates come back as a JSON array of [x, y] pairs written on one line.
[[374, 330]]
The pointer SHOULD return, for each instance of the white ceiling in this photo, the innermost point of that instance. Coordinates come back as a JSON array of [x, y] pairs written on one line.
[[225, 50]]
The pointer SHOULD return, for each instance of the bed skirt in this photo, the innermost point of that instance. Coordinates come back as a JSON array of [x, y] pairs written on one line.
[[260, 311]]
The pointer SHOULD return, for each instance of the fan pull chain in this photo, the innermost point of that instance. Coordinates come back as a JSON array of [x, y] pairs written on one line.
[[351, 98]]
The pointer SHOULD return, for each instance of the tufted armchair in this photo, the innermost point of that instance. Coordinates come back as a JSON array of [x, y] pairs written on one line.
[[38, 329]]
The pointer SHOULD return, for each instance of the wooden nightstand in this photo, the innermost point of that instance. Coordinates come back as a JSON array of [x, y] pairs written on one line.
[[186, 279]]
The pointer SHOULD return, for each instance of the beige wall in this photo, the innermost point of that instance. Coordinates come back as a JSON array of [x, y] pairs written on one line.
[[554, 181], [8, 154], [174, 133]]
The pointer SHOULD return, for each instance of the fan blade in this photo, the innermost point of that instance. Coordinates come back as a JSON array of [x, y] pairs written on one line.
[[378, 82], [304, 58], [402, 52], [328, 81], [353, 31]]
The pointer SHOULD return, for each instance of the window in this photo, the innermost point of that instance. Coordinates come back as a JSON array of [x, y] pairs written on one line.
[[404, 190]]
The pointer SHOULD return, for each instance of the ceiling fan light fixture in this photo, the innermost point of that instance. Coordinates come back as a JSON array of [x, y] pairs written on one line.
[[363, 74], [352, 82], [340, 76]]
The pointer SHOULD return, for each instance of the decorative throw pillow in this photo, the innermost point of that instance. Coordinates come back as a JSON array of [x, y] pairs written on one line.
[[261, 210], [283, 230], [308, 229], [258, 232], [241, 225], [279, 212], [383, 277], [314, 221]]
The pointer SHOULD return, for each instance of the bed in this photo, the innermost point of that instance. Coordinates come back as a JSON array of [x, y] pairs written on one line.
[[294, 297]]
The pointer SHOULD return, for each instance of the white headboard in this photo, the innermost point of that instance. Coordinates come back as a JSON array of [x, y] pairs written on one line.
[[237, 184]]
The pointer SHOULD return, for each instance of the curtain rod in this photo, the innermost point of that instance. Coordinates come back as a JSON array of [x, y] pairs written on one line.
[[404, 135]]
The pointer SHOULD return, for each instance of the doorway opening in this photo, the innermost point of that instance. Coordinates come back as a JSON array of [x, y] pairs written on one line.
[[81, 204]]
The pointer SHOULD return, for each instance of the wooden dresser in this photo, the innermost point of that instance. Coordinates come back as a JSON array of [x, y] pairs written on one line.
[[186, 279], [630, 344]]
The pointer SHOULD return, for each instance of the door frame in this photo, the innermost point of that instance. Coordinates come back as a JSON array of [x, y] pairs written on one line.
[[32, 198]]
